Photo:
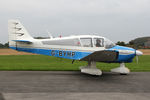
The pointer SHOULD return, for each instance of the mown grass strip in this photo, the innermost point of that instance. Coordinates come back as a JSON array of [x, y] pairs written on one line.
[[47, 63]]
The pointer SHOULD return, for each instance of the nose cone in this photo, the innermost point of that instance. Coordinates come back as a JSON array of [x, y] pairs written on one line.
[[139, 53]]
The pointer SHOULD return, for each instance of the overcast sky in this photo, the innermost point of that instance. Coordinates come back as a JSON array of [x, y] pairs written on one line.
[[118, 20]]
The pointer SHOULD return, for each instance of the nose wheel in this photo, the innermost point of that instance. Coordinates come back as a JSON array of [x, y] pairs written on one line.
[[123, 70]]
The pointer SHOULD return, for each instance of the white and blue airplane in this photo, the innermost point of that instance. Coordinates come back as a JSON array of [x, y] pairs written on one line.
[[90, 48]]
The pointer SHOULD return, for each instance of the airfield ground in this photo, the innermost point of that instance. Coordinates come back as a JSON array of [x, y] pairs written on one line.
[[13, 52], [73, 85], [69, 85], [145, 51]]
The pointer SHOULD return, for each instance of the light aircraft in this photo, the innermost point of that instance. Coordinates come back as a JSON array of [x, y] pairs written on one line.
[[90, 48]]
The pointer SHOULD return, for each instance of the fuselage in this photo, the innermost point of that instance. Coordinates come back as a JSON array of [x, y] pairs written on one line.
[[76, 47]]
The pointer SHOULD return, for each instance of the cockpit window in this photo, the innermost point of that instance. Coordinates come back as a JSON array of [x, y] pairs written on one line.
[[98, 42], [109, 44], [86, 42]]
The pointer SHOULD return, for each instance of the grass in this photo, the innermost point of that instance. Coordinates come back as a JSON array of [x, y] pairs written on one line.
[[40, 62]]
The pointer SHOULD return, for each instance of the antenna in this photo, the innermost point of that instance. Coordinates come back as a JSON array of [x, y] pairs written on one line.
[[50, 35]]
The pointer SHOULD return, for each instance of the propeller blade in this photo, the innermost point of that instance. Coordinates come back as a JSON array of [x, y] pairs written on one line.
[[137, 59]]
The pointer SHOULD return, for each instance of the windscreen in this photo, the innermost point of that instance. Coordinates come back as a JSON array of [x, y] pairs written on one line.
[[108, 44]]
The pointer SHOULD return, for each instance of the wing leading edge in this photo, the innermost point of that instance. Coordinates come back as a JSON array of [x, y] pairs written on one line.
[[102, 56]]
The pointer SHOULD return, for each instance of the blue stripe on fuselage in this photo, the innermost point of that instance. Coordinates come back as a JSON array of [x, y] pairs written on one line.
[[76, 55]]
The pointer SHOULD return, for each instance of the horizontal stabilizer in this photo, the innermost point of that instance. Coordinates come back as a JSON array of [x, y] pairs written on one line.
[[102, 56], [25, 41]]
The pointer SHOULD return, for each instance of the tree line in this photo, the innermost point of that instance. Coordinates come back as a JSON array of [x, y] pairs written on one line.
[[5, 45], [122, 43]]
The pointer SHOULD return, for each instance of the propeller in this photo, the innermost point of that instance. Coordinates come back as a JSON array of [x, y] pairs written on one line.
[[138, 53], [137, 59]]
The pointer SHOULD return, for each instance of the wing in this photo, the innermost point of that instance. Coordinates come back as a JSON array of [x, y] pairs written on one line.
[[102, 56]]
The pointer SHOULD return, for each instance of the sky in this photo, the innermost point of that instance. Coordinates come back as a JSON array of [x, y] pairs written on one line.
[[117, 20]]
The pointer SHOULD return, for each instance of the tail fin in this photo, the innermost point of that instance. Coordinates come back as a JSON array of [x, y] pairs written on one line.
[[16, 31]]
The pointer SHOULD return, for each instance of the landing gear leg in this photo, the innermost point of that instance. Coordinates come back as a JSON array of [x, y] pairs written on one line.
[[91, 69], [123, 70]]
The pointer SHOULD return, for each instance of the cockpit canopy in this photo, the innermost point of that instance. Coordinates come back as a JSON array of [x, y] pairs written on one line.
[[83, 41]]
